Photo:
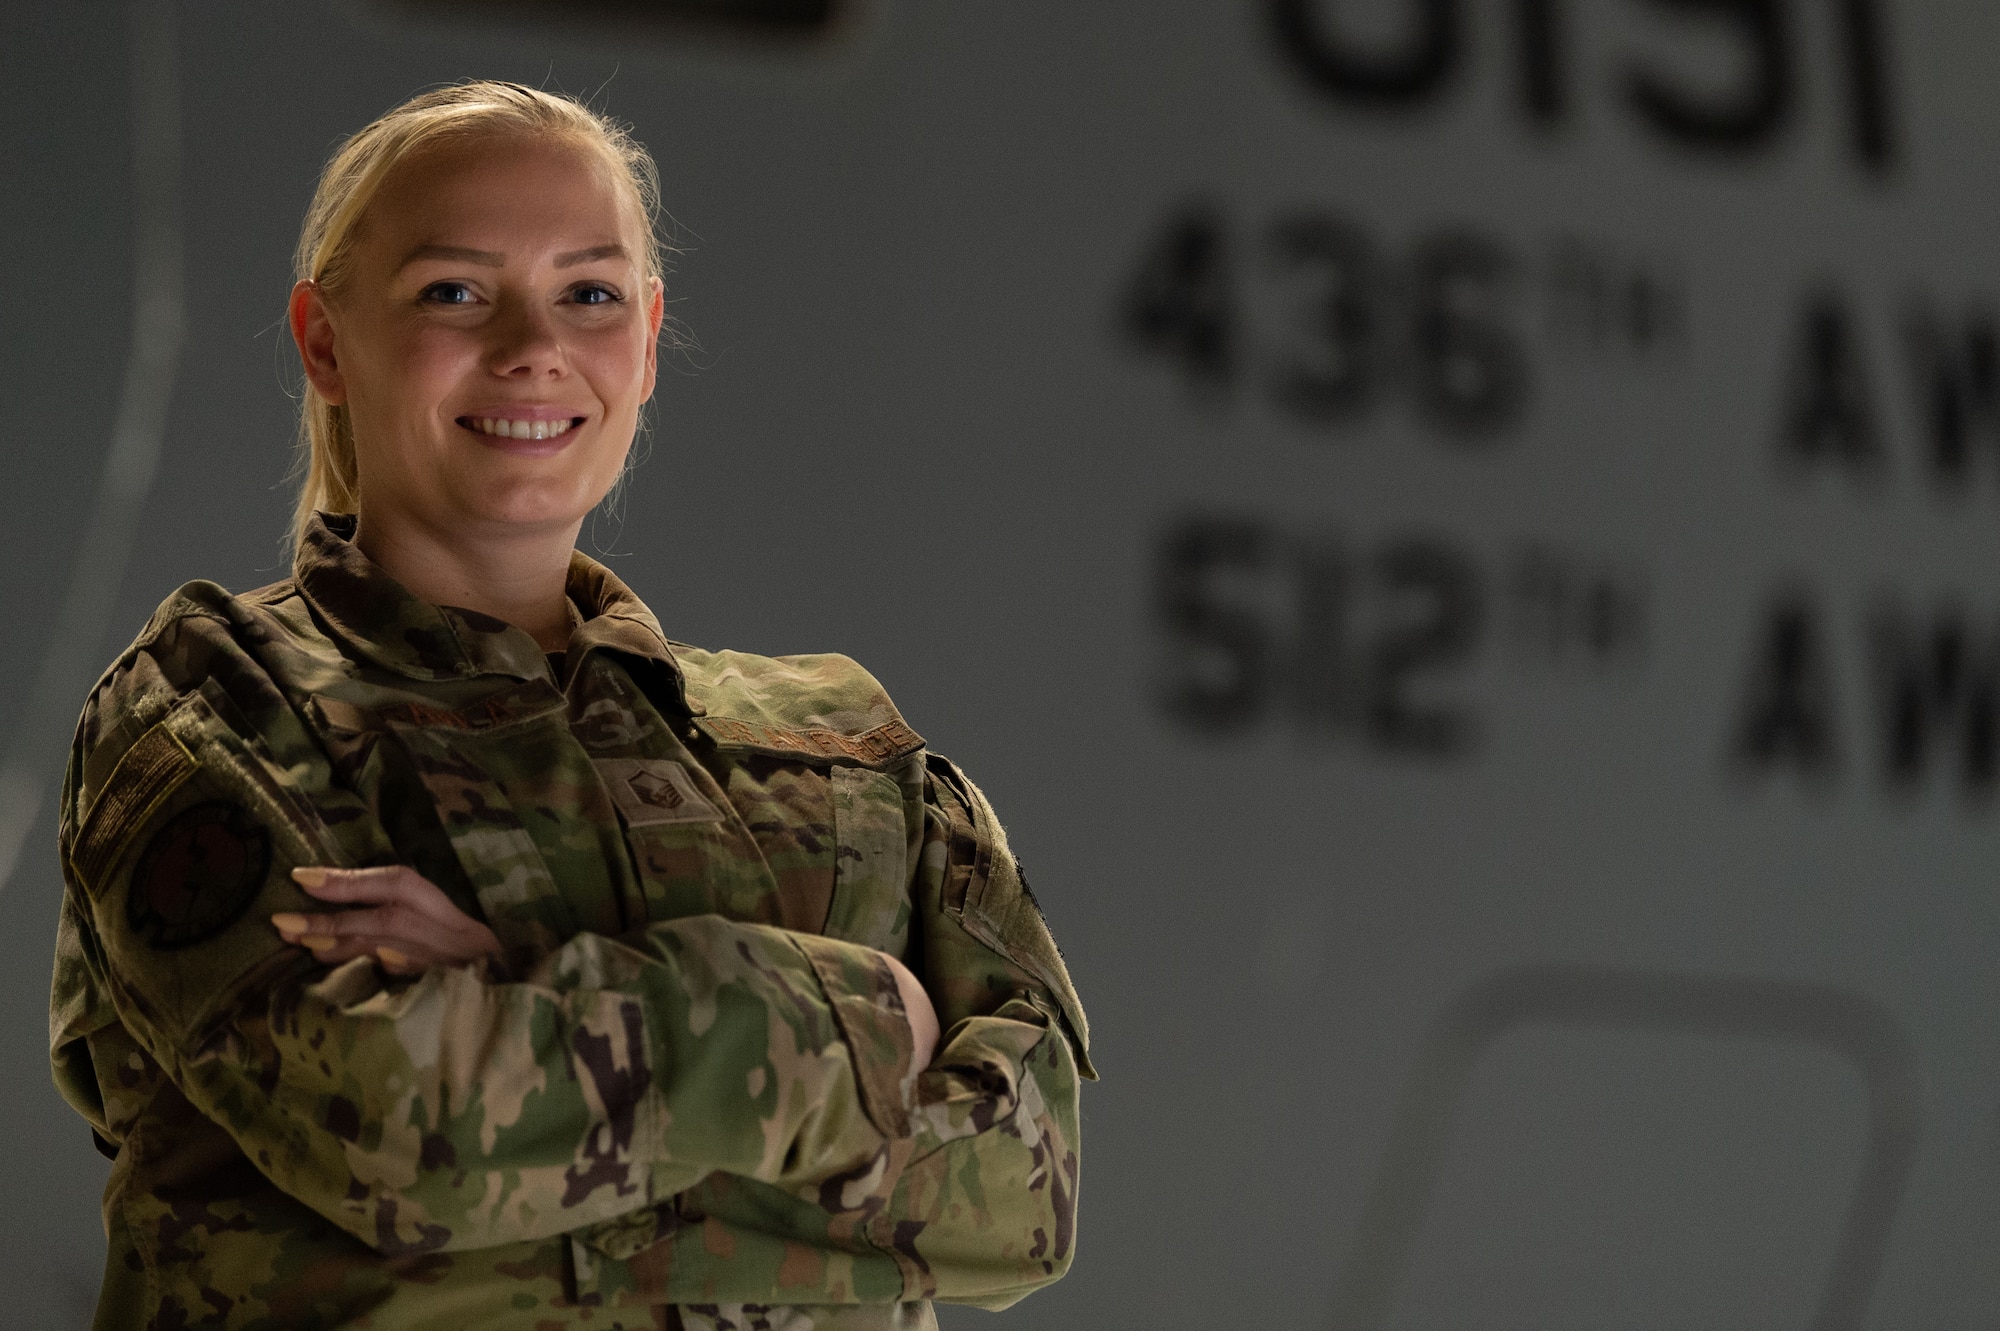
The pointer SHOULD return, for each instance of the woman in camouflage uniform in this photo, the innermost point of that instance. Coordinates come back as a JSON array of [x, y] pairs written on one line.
[[444, 946]]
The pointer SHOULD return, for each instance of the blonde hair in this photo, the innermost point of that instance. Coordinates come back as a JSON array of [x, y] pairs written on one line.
[[354, 175]]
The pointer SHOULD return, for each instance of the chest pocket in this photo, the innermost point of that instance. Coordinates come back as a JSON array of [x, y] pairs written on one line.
[[528, 820], [749, 841]]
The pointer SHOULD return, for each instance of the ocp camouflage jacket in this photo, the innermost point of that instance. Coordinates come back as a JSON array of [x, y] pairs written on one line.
[[685, 1097]]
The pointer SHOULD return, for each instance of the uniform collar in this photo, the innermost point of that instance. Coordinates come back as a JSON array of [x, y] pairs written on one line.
[[378, 618], [616, 620]]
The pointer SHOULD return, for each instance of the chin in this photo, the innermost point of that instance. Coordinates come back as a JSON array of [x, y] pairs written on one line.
[[530, 508]]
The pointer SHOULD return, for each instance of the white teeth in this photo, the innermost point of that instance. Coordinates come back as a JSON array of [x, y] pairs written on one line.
[[513, 429]]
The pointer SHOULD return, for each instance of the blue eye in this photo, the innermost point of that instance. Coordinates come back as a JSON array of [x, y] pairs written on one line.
[[594, 293], [447, 293]]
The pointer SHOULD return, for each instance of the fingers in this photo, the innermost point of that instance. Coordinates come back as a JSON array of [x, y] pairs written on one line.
[[379, 921], [333, 939], [387, 885], [405, 959], [374, 885], [354, 933], [396, 915]]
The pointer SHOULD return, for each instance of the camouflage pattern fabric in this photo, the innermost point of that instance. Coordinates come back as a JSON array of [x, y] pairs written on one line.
[[684, 1096]]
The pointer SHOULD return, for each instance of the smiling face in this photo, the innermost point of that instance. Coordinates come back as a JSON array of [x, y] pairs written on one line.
[[492, 337]]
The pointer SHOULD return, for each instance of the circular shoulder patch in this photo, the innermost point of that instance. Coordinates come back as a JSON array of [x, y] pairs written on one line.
[[198, 874]]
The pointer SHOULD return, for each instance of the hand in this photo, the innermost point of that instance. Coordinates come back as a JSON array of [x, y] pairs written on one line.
[[923, 1017], [410, 927]]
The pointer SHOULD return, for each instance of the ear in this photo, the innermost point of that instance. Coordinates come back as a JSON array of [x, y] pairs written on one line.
[[313, 331], [656, 312]]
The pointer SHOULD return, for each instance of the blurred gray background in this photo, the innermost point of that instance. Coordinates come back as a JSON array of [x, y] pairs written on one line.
[[1458, 534]]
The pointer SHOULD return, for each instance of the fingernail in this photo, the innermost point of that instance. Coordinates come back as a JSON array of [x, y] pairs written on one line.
[[317, 941], [309, 876], [288, 923], [391, 958]]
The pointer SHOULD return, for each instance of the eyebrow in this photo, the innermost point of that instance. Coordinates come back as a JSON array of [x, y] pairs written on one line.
[[591, 255], [484, 258], [493, 259]]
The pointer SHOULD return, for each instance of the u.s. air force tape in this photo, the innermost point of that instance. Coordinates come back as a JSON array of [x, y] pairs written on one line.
[[197, 875]]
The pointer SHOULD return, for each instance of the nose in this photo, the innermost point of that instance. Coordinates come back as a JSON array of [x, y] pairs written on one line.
[[525, 344]]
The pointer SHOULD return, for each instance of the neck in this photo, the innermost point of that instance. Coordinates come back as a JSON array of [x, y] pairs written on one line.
[[517, 576]]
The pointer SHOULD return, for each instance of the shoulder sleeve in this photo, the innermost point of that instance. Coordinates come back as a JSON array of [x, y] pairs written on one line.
[[179, 838], [820, 708], [450, 1111]]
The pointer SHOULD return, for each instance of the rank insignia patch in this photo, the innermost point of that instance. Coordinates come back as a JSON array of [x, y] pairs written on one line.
[[197, 875], [655, 790]]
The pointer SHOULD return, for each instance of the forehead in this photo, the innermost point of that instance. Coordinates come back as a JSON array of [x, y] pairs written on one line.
[[511, 194]]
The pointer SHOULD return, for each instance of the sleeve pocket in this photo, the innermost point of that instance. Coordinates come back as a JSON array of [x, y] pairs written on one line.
[[998, 909], [185, 853]]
